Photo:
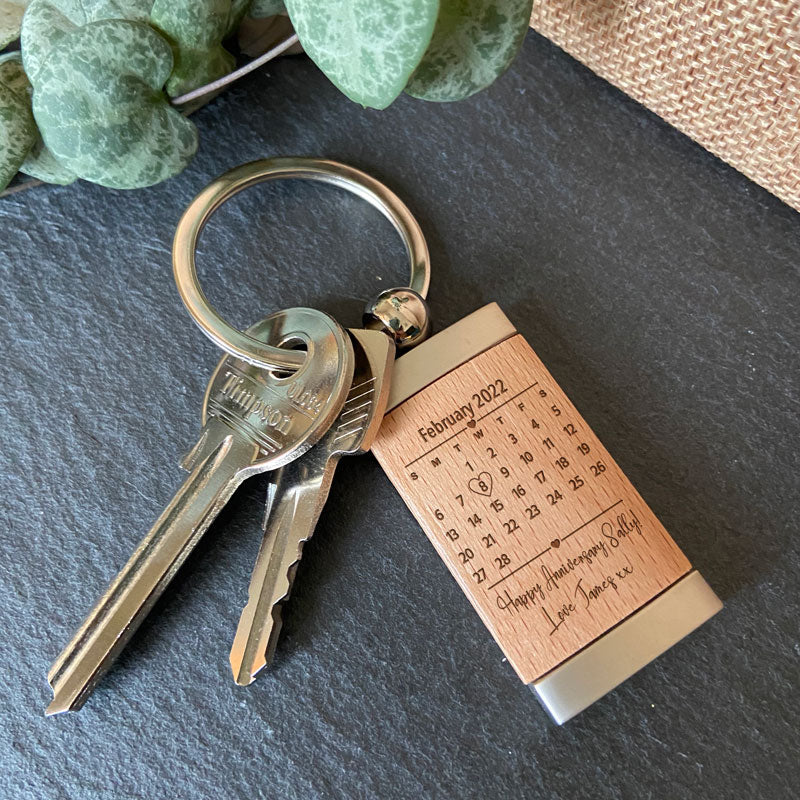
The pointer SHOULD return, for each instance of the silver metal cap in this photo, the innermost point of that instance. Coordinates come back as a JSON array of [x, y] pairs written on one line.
[[626, 648]]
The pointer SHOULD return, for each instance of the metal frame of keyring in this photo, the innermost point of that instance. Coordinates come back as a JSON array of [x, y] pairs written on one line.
[[226, 186]]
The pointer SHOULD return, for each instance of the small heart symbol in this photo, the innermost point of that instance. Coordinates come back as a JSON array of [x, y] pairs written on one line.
[[555, 543], [471, 423], [482, 484]]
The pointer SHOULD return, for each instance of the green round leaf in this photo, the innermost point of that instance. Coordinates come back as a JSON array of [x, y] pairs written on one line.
[[195, 30], [42, 164], [101, 111], [46, 21], [12, 73], [17, 128], [367, 48], [39, 162], [10, 20], [195, 68], [474, 43]]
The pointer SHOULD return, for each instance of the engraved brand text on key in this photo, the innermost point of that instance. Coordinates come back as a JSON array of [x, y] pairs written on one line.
[[235, 389], [307, 399], [435, 428]]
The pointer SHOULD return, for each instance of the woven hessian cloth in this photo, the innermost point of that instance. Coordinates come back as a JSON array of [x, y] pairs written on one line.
[[725, 72]]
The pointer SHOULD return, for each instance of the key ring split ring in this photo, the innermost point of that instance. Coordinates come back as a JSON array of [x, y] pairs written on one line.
[[226, 186]]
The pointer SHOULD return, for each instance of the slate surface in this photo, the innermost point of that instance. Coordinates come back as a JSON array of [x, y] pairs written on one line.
[[659, 286]]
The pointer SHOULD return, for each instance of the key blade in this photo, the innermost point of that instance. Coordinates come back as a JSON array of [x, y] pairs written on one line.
[[137, 587], [294, 506], [253, 421], [295, 499]]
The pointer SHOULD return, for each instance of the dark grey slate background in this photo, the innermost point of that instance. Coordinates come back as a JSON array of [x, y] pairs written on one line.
[[660, 287]]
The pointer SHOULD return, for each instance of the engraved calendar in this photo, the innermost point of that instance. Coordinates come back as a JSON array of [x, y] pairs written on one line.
[[549, 540]]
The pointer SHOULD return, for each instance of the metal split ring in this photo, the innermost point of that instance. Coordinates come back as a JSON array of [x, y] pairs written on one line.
[[226, 186]]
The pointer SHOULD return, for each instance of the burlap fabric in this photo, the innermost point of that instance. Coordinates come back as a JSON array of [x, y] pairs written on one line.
[[725, 72]]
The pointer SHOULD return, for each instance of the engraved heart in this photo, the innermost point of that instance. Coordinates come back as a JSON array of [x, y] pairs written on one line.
[[555, 543], [482, 484], [471, 423]]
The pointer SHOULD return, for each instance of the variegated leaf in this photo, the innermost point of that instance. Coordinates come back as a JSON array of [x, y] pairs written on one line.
[[367, 48], [474, 43], [42, 164], [239, 9], [195, 29], [268, 8], [17, 128], [100, 108], [46, 21]]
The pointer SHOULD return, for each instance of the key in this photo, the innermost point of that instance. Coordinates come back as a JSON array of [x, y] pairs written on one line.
[[253, 421], [295, 500]]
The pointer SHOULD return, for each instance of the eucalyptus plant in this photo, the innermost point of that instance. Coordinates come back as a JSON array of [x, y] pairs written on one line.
[[88, 95]]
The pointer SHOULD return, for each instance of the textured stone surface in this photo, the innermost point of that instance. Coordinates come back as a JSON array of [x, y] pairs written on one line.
[[658, 285]]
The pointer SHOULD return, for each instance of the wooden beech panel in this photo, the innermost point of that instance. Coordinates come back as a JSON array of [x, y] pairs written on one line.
[[548, 539]]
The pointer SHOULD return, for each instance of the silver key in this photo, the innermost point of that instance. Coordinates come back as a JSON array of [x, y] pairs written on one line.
[[295, 500], [253, 421]]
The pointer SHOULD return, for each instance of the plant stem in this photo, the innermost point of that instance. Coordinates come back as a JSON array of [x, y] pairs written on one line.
[[20, 186], [237, 73]]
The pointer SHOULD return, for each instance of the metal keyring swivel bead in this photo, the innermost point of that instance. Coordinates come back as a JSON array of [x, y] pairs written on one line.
[[401, 312]]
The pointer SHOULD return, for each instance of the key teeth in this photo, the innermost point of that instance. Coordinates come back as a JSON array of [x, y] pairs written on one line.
[[270, 501]]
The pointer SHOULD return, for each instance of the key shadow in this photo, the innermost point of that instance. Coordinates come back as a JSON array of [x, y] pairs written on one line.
[[232, 538], [232, 541], [685, 484]]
